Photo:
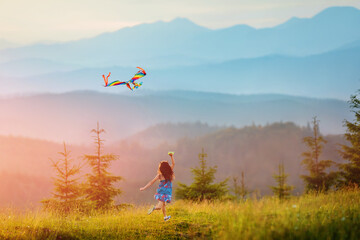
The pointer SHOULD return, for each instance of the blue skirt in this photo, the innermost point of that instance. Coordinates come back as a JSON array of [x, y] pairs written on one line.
[[164, 191]]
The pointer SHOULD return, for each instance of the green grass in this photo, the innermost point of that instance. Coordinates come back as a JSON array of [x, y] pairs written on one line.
[[335, 215]]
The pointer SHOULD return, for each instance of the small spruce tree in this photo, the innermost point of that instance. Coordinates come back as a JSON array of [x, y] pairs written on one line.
[[240, 191], [100, 189], [282, 190], [350, 171], [67, 191], [202, 187], [318, 179]]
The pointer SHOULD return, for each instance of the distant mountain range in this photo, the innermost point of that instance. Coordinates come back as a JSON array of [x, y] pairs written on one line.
[[315, 57], [70, 116], [334, 74], [154, 44]]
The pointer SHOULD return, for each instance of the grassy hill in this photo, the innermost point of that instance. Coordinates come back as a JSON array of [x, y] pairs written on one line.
[[324, 216]]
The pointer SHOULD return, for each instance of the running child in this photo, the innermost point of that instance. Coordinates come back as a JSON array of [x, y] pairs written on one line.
[[165, 175]]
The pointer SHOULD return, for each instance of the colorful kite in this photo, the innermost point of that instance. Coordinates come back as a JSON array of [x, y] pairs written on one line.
[[141, 73]]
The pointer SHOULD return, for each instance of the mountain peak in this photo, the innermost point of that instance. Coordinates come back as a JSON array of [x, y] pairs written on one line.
[[332, 15], [181, 20], [338, 12], [239, 27], [177, 24]]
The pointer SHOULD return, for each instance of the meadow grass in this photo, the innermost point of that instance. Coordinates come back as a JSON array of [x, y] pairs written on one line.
[[335, 215]]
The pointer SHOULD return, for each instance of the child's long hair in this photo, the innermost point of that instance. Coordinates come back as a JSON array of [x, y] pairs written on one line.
[[166, 170]]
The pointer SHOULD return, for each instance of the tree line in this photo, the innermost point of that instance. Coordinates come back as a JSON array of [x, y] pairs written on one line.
[[319, 177]]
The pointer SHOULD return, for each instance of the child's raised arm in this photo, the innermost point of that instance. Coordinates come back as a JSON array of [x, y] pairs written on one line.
[[172, 160], [150, 183]]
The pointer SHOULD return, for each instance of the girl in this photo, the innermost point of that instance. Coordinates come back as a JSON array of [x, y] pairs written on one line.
[[163, 194]]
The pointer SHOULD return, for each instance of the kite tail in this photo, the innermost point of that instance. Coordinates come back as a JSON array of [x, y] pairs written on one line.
[[128, 85], [106, 79], [141, 70], [137, 85]]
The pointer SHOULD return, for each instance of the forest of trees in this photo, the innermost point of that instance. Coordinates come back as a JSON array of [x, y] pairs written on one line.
[[320, 177]]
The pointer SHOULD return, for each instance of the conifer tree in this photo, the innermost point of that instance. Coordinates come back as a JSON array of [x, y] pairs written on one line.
[[240, 191], [100, 189], [202, 187], [282, 190], [318, 179], [350, 171], [67, 190]]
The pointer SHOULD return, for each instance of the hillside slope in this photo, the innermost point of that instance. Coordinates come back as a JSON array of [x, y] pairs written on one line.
[[26, 171]]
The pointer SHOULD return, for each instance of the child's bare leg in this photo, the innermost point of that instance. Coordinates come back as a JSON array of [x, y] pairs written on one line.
[[163, 208], [158, 206]]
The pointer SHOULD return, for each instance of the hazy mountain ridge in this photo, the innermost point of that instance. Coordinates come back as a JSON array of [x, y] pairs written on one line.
[[169, 133], [333, 74], [69, 116], [26, 67]]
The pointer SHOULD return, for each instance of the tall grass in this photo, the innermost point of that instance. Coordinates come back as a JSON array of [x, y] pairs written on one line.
[[335, 215]]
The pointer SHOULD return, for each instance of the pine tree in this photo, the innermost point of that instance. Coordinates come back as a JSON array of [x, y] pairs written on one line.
[[350, 172], [236, 188], [67, 190], [241, 191], [202, 187], [318, 179], [282, 190], [100, 189]]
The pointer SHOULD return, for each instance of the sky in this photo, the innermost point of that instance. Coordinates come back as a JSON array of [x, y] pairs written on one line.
[[31, 21]]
